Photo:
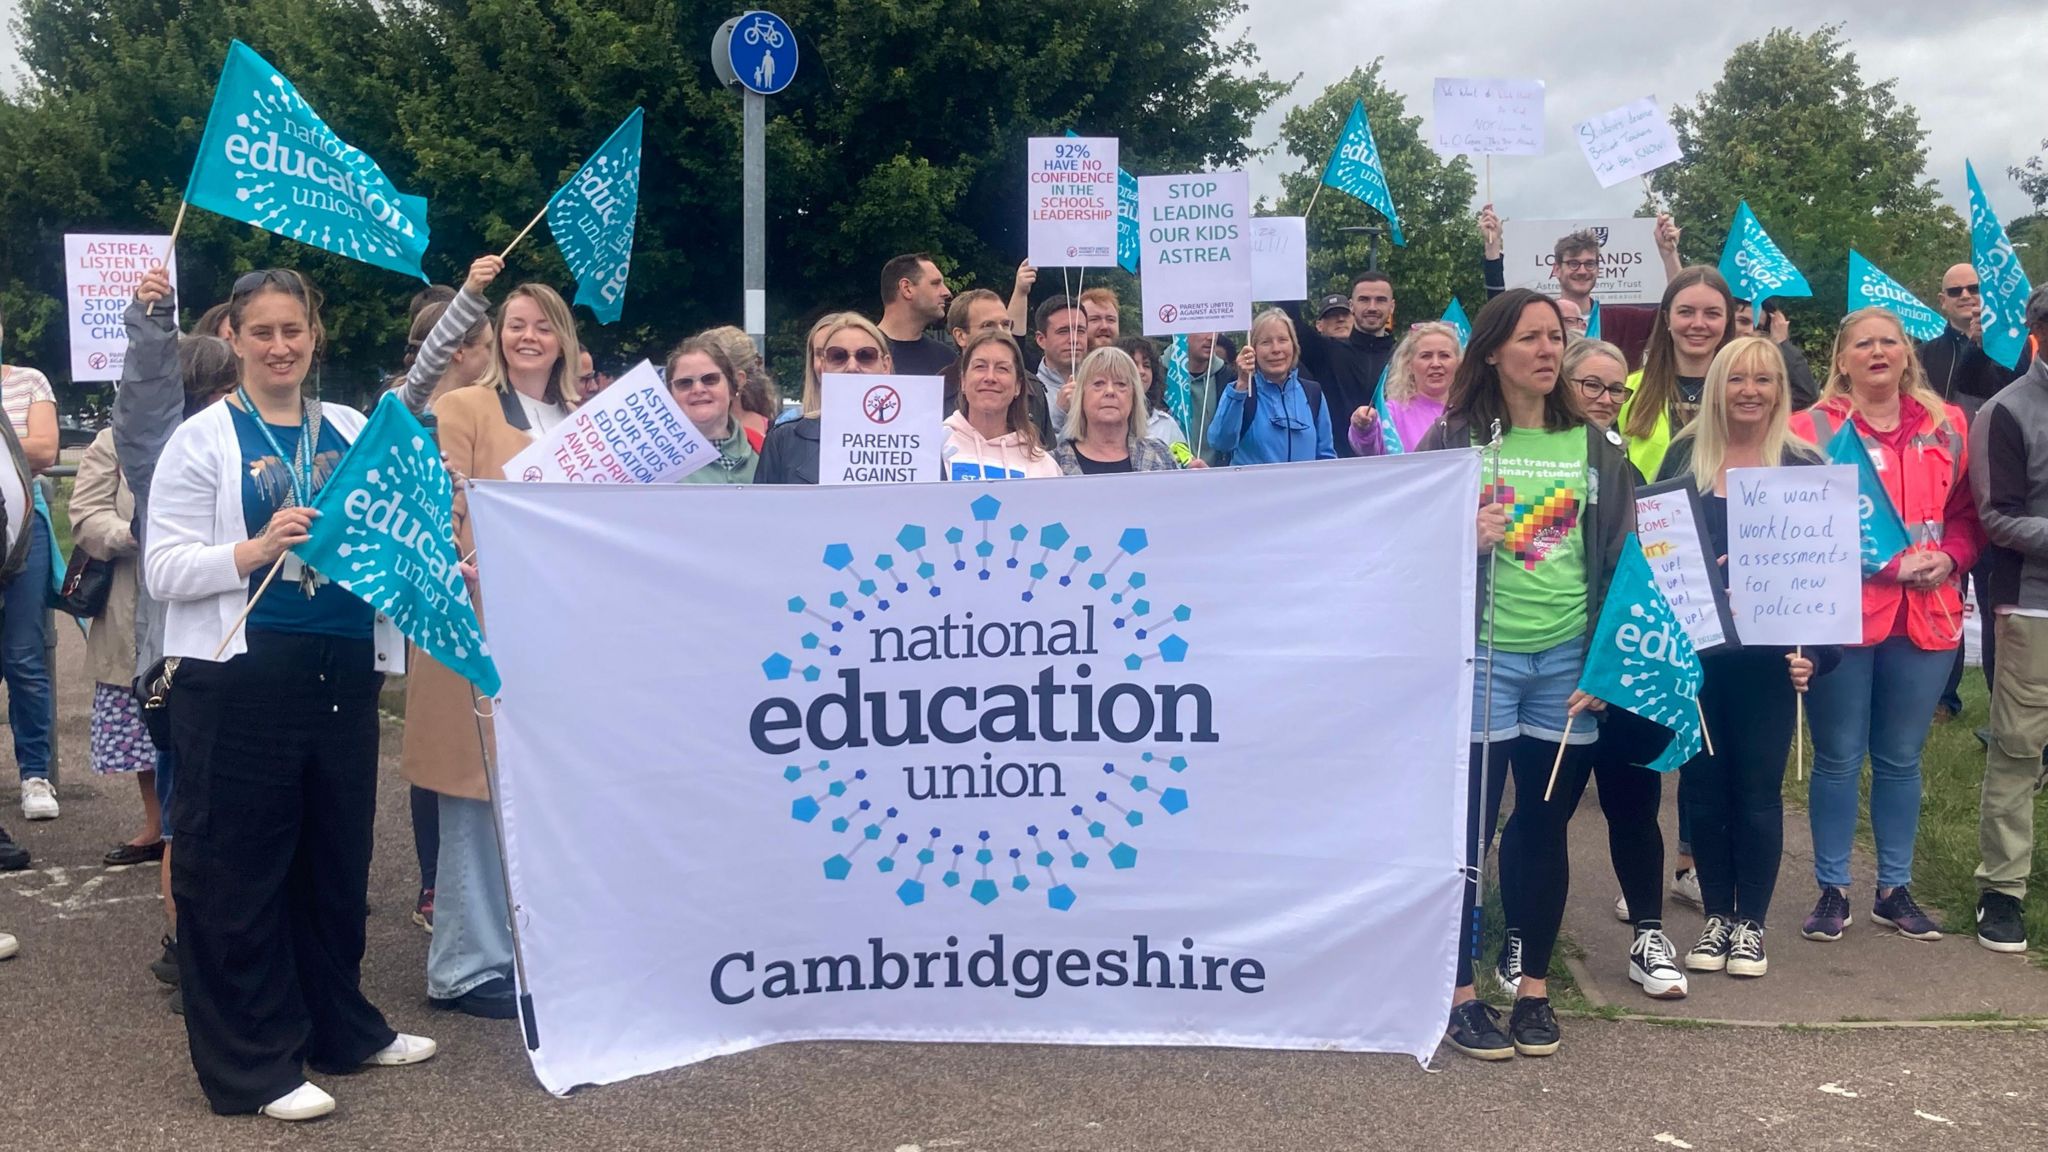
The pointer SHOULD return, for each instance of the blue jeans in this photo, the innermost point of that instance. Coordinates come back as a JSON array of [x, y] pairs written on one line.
[[1879, 701], [31, 708], [1530, 694], [472, 918]]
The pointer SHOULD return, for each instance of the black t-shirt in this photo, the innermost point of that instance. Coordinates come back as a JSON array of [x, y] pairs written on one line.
[[1100, 467], [921, 357], [1686, 404]]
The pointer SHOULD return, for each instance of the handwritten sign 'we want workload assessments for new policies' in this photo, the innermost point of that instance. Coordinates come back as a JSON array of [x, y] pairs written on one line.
[[1794, 545]]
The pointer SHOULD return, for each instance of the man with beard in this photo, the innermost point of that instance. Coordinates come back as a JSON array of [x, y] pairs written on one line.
[[914, 298], [1576, 266], [1349, 369]]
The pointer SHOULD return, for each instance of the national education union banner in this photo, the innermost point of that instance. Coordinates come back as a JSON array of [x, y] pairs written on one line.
[[1101, 760]]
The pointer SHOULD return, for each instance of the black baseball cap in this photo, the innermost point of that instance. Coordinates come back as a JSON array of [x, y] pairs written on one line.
[[1334, 304]]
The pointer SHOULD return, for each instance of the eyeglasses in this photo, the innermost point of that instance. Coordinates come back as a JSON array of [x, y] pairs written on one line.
[[840, 357], [685, 383], [1579, 265], [1593, 387], [588, 378], [1957, 292], [284, 278]]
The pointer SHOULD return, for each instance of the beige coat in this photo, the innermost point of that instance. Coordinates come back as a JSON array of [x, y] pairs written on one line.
[[102, 519], [442, 750]]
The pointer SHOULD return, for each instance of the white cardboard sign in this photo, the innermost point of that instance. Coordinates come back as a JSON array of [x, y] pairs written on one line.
[[1488, 117], [1280, 258], [1795, 573], [1070, 201], [1633, 140], [1631, 269], [1676, 549], [1197, 259], [100, 277], [881, 429], [633, 433]]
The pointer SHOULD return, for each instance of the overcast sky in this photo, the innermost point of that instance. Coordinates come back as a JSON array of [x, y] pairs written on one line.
[[1975, 69]]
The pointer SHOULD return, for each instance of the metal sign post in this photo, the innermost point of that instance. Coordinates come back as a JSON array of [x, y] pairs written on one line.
[[755, 52]]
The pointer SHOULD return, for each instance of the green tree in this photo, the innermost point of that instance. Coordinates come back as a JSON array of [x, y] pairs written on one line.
[[1433, 196], [1828, 163], [2033, 177]]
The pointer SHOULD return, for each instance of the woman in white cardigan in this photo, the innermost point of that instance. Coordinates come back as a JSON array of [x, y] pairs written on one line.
[[274, 724]]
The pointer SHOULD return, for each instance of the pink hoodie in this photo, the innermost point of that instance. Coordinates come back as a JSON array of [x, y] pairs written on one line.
[[971, 456]]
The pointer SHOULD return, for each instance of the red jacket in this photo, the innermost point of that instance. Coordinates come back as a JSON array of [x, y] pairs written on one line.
[[1930, 486]]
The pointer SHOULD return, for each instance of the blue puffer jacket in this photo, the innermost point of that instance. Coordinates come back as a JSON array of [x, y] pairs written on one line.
[[1285, 426]]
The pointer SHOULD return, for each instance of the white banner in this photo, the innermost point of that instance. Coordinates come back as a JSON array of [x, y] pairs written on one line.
[[1026, 762], [1633, 140], [880, 429], [1070, 201], [1795, 569], [1631, 270], [633, 433], [1279, 258], [1487, 117], [1196, 258], [101, 274]]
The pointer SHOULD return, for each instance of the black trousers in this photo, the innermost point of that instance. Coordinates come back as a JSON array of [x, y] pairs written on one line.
[[426, 832], [1629, 797], [1736, 795], [277, 788], [1534, 871]]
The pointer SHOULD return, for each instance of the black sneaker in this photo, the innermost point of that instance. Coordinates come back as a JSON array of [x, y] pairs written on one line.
[[2001, 923], [1746, 950], [1903, 914], [1475, 1031], [1508, 967], [1533, 1026], [494, 999], [13, 857], [165, 967], [1711, 953]]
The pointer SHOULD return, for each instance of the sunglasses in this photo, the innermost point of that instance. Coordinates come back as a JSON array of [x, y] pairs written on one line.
[[286, 279], [1962, 290], [840, 357], [685, 383], [1592, 388]]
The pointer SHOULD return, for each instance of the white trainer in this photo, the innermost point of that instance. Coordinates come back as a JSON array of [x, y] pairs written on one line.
[[1621, 908], [38, 799], [404, 1050], [305, 1102], [1652, 964], [8, 945], [1685, 888]]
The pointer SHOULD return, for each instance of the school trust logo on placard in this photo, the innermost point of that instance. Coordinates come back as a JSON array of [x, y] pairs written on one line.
[[987, 634]]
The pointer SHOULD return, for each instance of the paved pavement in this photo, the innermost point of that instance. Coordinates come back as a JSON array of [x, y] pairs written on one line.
[[89, 1059]]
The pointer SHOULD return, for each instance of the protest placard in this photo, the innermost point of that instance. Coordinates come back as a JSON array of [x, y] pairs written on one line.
[[100, 277], [1197, 259], [1669, 526], [1633, 140], [1070, 202], [881, 429], [1794, 576], [1631, 269], [1487, 117], [633, 433], [1280, 258]]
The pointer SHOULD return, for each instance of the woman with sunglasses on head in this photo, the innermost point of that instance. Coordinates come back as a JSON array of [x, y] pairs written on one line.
[[275, 729], [534, 387], [1880, 701], [702, 379], [1552, 576], [1418, 382], [991, 434], [1271, 416], [1695, 320], [1106, 425], [1735, 793], [843, 343]]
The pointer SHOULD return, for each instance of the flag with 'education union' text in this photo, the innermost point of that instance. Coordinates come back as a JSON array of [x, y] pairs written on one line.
[[1883, 535], [2004, 282], [1869, 287], [1354, 169], [1755, 267], [386, 533], [1642, 661], [1180, 385], [268, 159], [592, 219], [1454, 315]]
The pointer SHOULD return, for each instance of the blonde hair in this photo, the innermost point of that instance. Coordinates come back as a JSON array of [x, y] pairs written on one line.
[[1116, 364], [561, 387], [1913, 383], [1400, 374], [1709, 430], [1267, 319], [820, 334]]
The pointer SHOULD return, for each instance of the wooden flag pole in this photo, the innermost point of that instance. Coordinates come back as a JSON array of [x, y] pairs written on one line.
[[1562, 743], [1312, 201], [1489, 177], [522, 233], [1704, 735], [251, 605], [1799, 721], [175, 226]]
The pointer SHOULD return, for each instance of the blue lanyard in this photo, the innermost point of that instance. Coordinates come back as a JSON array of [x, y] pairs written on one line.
[[299, 465]]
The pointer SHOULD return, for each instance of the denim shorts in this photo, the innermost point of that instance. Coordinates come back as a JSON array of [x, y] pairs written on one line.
[[1530, 692]]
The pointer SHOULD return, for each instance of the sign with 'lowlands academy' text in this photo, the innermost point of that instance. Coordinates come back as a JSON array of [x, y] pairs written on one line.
[[100, 277], [1196, 252], [1009, 762], [1631, 269], [1070, 202]]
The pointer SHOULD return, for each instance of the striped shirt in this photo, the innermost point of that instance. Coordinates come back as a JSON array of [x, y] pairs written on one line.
[[21, 389]]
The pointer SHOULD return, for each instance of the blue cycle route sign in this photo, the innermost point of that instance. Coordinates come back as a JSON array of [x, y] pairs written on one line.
[[762, 52]]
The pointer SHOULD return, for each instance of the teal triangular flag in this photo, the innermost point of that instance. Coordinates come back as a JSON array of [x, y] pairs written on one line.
[[1883, 534], [1454, 315], [1641, 659], [1354, 169], [1869, 287], [2005, 284], [592, 219], [1755, 267], [1593, 322]]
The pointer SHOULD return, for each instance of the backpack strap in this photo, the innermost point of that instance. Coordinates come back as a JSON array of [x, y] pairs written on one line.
[[1309, 388]]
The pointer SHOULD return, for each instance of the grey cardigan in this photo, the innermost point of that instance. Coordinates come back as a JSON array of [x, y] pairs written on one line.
[[1147, 455]]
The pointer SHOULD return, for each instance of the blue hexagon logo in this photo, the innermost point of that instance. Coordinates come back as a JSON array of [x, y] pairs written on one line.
[[985, 508], [1132, 541], [1140, 607], [1083, 553], [1174, 801], [1097, 581], [837, 599], [984, 549], [910, 892], [810, 640], [886, 864], [911, 538], [1123, 856], [777, 667], [838, 556], [984, 891], [803, 808], [1181, 612], [951, 879], [955, 535], [796, 603], [838, 868], [1060, 898], [1038, 571], [1020, 882], [1137, 579], [1053, 536], [1173, 649]]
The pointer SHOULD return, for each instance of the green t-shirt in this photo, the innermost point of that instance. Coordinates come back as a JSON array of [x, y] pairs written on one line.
[[1540, 598]]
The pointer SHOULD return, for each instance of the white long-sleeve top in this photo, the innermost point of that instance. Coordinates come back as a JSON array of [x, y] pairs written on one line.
[[195, 521]]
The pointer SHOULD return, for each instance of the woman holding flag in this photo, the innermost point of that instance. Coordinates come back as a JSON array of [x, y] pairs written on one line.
[[1418, 382], [1880, 702], [1735, 788], [1548, 571], [275, 728]]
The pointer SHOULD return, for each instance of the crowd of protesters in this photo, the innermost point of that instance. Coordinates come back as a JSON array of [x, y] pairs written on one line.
[[254, 742]]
